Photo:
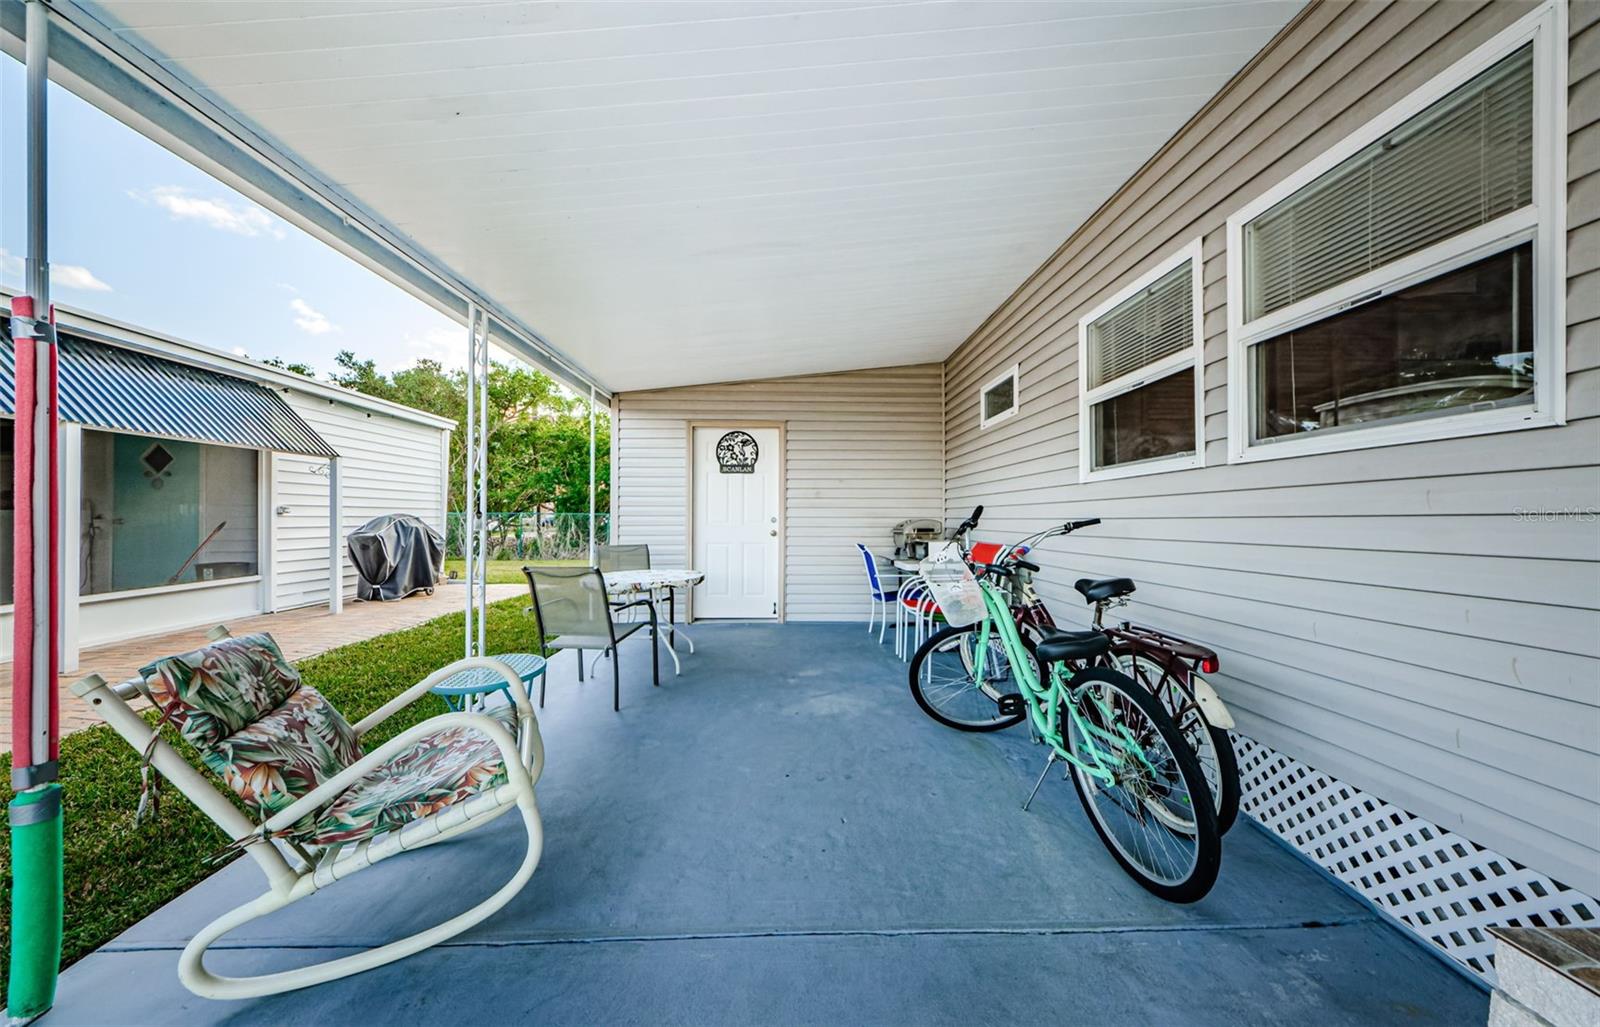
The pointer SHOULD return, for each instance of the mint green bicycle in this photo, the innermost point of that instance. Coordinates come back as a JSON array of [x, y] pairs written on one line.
[[1139, 781]]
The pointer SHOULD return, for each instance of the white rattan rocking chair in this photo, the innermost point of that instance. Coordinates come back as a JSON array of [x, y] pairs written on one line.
[[327, 809]]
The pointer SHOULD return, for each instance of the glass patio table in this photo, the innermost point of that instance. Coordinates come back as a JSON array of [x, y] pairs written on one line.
[[458, 689]]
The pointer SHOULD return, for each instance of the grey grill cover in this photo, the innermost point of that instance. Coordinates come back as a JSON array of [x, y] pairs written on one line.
[[395, 555]]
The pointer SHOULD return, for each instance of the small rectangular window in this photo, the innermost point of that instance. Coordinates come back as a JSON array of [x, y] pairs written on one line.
[[1140, 354], [998, 400]]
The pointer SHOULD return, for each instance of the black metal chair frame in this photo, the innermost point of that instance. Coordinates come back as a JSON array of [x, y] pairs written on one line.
[[546, 646]]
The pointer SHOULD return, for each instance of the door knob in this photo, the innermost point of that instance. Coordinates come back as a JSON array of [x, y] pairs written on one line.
[[774, 532]]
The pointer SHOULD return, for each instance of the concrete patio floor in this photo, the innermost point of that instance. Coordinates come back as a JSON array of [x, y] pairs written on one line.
[[780, 836]]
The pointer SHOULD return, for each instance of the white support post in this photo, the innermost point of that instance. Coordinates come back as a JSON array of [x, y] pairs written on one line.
[[591, 476], [482, 474], [335, 538], [70, 459], [469, 506]]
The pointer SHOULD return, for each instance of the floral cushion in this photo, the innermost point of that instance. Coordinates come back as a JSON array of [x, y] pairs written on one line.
[[441, 769], [214, 691], [279, 757]]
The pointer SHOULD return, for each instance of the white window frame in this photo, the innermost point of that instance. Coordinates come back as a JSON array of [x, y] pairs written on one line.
[[1014, 372], [1543, 222], [1193, 357]]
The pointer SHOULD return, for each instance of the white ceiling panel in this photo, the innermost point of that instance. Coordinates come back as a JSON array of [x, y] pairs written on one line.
[[676, 193]]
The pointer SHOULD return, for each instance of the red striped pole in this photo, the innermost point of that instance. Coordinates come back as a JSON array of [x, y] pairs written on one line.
[[35, 717]]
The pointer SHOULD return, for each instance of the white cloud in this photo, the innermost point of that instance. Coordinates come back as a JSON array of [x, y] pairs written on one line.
[[75, 276], [240, 218], [310, 320], [62, 276], [446, 343]]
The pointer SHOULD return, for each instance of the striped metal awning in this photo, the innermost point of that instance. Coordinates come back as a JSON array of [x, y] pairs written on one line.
[[124, 390]]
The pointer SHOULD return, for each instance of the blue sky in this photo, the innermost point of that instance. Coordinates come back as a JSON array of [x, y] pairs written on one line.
[[140, 235]]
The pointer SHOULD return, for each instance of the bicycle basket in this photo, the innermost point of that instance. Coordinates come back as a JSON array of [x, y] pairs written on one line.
[[954, 587]]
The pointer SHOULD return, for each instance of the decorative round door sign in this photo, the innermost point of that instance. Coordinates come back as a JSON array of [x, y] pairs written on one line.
[[737, 453]]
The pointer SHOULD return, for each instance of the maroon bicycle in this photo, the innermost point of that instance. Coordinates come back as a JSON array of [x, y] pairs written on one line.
[[1170, 668]]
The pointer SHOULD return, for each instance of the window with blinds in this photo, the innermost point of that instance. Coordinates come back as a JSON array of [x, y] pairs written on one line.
[[1143, 329], [1462, 162]]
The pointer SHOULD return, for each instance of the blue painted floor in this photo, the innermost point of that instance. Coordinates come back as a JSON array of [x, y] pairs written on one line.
[[780, 836]]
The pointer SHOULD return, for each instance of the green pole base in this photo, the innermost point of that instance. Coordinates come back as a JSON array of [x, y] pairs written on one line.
[[35, 902]]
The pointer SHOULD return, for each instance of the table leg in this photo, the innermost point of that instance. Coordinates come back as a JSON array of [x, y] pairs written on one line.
[[672, 597], [672, 638]]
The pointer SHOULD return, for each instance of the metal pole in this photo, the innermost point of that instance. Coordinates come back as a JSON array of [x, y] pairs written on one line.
[[35, 812], [335, 539], [482, 615], [591, 475], [469, 507]]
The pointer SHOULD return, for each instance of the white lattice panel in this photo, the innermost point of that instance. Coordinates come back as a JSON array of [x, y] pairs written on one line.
[[1445, 887]]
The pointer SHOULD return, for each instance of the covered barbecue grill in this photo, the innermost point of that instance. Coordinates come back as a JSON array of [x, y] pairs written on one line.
[[395, 555]]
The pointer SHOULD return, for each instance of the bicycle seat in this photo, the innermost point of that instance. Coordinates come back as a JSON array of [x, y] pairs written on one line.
[[1104, 588], [1072, 645]]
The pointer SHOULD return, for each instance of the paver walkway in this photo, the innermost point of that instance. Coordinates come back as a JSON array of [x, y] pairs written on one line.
[[301, 633], [780, 836]]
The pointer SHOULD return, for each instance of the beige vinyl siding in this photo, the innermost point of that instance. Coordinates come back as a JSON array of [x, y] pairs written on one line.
[[1390, 616], [386, 465], [863, 452]]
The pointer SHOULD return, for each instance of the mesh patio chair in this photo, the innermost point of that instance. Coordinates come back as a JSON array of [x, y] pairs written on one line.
[[324, 808], [623, 558], [574, 612]]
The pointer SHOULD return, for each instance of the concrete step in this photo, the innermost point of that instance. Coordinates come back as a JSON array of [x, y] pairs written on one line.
[[1546, 977]]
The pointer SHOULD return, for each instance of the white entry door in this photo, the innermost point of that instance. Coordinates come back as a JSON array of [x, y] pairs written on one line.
[[736, 531]]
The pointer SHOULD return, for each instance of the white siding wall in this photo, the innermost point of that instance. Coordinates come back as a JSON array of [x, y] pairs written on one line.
[[863, 452], [387, 465], [1387, 616]]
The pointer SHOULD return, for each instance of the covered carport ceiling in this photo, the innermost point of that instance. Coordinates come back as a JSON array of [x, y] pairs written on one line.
[[674, 193]]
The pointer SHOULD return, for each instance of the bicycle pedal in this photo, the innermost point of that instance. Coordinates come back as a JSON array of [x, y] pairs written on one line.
[[1011, 705]]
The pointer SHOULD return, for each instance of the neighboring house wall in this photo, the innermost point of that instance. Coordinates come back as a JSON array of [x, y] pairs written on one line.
[[386, 465], [1389, 616], [863, 453]]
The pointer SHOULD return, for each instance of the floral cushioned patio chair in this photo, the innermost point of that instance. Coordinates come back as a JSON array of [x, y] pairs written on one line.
[[284, 750]]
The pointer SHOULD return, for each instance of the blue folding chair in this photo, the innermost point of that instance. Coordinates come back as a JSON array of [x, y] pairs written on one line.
[[882, 597]]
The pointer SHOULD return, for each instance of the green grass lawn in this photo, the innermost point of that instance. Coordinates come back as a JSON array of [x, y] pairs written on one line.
[[116, 873], [507, 572]]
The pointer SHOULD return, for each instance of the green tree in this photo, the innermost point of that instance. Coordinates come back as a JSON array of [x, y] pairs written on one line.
[[538, 431], [296, 367]]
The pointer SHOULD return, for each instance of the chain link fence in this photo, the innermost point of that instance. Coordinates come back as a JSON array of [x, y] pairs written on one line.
[[529, 536]]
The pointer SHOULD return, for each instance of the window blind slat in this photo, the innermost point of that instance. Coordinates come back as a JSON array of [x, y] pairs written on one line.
[[1460, 163], [1143, 329]]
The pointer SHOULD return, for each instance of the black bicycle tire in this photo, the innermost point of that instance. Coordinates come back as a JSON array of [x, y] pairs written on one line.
[[1208, 862], [1221, 742], [934, 640]]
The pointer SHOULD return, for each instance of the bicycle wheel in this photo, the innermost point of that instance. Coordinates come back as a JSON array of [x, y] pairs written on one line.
[[1156, 815], [1212, 746], [946, 687]]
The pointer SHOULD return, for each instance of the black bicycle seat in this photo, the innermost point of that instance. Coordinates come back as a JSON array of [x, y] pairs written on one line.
[[1098, 590], [1072, 645]]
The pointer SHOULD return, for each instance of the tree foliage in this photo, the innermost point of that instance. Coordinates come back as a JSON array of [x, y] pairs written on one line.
[[538, 431]]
